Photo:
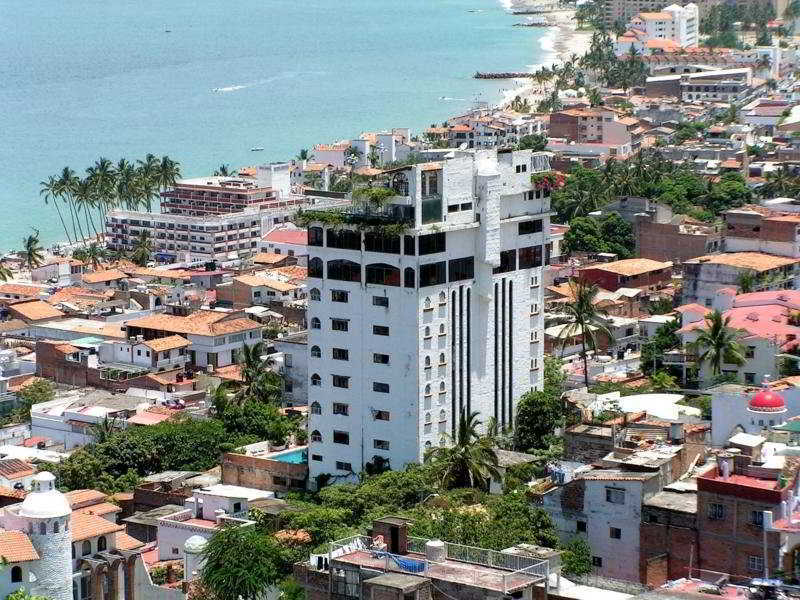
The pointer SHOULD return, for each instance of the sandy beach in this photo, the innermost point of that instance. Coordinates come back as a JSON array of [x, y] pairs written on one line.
[[562, 41]]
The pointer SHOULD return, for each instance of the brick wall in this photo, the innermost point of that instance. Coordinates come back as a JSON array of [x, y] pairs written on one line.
[[236, 294], [778, 231], [669, 534], [586, 448], [564, 126], [664, 241], [147, 496], [260, 473]]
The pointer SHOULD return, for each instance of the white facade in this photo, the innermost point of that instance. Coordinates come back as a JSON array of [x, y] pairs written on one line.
[[292, 359], [424, 331], [729, 409]]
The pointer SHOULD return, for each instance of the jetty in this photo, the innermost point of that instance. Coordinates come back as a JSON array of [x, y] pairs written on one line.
[[506, 75]]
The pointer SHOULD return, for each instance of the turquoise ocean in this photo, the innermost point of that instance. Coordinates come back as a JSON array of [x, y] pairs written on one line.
[[90, 78]]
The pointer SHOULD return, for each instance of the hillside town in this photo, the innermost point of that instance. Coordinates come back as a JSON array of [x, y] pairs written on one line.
[[548, 349]]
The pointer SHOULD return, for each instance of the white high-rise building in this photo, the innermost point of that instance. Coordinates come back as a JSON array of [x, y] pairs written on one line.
[[668, 30], [425, 308]]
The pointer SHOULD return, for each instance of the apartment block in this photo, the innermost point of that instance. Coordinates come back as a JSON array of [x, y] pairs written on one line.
[[433, 312], [667, 30]]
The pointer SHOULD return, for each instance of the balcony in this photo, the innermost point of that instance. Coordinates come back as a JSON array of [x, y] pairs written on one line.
[[678, 357], [431, 209], [359, 214]]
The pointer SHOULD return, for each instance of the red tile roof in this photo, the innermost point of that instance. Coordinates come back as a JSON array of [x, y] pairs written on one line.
[[86, 526], [15, 547], [298, 237]]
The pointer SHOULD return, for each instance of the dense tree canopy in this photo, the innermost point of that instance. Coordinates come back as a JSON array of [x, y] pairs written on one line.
[[610, 233]]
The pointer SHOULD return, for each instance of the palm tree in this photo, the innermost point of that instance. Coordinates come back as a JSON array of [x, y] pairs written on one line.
[[125, 176], [718, 343], [468, 460], [32, 252], [145, 189], [662, 381], [94, 255], [583, 319], [102, 176], [67, 182], [5, 273], [142, 249], [304, 154], [84, 197], [779, 183], [313, 180], [374, 157], [49, 189], [224, 170], [595, 97], [167, 172]]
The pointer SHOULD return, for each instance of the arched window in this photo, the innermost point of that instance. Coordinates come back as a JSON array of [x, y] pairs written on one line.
[[315, 352], [316, 436], [383, 274], [315, 268], [427, 417], [315, 236], [441, 387], [442, 415], [42, 528], [427, 361], [314, 293], [73, 550], [408, 277], [16, 574], [427, 302], [428, 389], [344, 270], [427, 444], [442, 298], [441, 359], [56, 527], [427, 331], [316, 379], [315, 324], [316, 409], [86, 549], [441, 328], [101, 543]]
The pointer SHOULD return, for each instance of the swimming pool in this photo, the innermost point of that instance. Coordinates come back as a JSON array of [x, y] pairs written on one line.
[[296, 457]]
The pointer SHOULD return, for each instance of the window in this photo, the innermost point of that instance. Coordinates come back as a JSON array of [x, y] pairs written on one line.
[[433, 274], [316, 379], [408, 277], [315, 324], [522, 168], [340, 354], [382, 274], [42, 528], [86, 549], [597, 561], [381, 415], [615, 533], [409, 245], [380, 330], [755, 564], [380, 359], [316, 352], [317, 457], [344, 239], [466, 206], [339, 296], [316, 408], [380, 444], [279, 481], [530, 257], [339, 324], [341, 381], [344, 270], [315, 236], [315, 268], [341, 409], [101, 543], [383, 388], [750, 352], [526, 227], [750, 378], [580, 526], [316, 436], [508, 262], [344, 466], [615, 496], [56, 527], [716, 512], [380, 301], [16, 574], [432, 243], [757, 518], [377, 242], [461, 268], [341, 437]]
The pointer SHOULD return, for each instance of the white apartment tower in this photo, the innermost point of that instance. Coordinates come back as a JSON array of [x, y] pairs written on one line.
[[426, 308]]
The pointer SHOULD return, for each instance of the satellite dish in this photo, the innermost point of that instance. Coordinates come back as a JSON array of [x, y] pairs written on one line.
[[462, 146]]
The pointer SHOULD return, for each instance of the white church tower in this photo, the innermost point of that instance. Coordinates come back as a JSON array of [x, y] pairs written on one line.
[[45, 516]]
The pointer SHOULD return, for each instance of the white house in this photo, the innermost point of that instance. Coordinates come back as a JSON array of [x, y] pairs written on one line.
[[672, 28], [59, 270]]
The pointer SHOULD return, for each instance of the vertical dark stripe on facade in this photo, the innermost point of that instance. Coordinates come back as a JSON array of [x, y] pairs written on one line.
[[460, 351], [503, 352], [510, 353], [469, 351], [496, 353], [453, 365]]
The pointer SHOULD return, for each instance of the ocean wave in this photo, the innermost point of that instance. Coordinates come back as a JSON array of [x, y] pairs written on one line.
[[244, 86], [449, 99]]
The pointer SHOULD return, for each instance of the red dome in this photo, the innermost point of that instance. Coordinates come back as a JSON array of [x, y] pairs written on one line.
[[767, 401]]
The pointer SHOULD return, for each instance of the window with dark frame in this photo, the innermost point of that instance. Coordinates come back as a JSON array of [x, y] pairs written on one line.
[[461, 268], [380, 330], [341, 437]]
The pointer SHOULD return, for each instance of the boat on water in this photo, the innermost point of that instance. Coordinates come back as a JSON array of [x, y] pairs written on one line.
[[256, 149]]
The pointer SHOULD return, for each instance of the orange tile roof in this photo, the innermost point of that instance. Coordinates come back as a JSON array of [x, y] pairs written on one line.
[[66, 348], [35, 310], [12, 325], [7, 492], [127, 542], [294, 272], [269, 258], [631, 266], [15, 547], [203, 322], [15, 468], [80, 498], [746, 260], [257, 281], [161, 273], [655, 16], [86, 526], [20, 289], [102, 509], [147, 418], [103, 276], [83, 297], [167, 343], [229, 372]]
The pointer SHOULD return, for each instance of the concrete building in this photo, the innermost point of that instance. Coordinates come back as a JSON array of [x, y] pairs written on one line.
[[723, 85], [622, 11], [670, 29], [596, 125], [291, 359], [261, 467], [60, 271], [628, 273], [442, 312]]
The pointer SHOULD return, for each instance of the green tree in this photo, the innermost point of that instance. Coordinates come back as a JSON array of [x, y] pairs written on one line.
[[240, 563], [40, 390], [577, 557], [583, 319], [536, 142], [167, 172], [23, 594], [538, 414], [466, 461], [661, 381], [258, 419], [663, 340], [32, 253], [5, 273], [718, 343], [747, 281], [224, 170], [142, 249], [304, 154], [94, 254], [50, 191]]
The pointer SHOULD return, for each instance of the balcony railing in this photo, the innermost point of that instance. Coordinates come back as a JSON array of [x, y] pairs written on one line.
[[678, 357]]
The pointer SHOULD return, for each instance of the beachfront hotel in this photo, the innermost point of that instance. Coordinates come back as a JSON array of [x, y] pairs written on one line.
[[425, 308], [211, 218]]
